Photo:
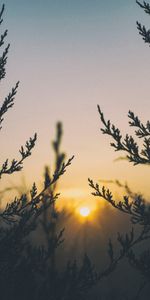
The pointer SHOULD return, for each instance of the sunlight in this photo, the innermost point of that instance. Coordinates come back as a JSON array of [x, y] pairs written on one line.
[[85, 211]]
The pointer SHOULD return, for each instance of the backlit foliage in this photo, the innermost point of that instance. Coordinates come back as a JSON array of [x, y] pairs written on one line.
[[26, 269], [132, 204]]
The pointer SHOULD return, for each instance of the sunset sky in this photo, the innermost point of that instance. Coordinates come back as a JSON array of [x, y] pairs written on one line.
[[69, 56]]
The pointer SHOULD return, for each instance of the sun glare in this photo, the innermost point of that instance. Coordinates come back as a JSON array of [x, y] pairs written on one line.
[[84, 211]]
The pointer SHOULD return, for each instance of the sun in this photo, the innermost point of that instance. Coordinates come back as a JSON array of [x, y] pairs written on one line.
[[84, 211]]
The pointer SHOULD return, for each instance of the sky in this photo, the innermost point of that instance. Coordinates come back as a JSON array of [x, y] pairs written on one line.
[[70, 56]]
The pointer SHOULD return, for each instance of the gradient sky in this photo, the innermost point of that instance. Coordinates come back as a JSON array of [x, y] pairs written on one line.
[[69, 56]]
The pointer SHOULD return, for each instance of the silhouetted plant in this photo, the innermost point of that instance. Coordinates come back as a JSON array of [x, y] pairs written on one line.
[[134, 205], [26, 271], [125, 186], [50, 216], [128, 144], [145, 33]]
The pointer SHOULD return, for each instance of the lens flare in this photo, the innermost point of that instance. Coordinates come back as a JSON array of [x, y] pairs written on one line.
[[84, 211]]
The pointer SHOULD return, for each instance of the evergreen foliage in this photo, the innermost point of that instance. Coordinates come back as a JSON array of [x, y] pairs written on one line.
[[30, 271], [27, 271], [132, 204], [145, 33]]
